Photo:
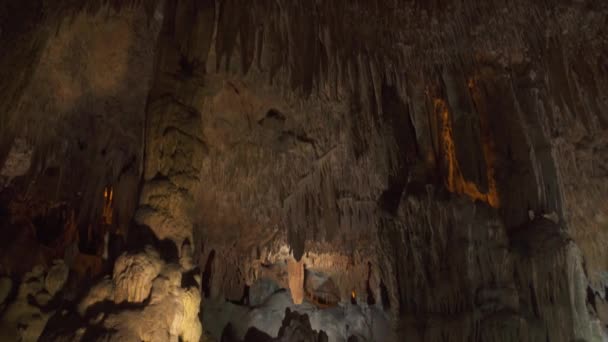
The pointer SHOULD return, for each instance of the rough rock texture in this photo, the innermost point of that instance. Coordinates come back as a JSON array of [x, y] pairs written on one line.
[[295, 275], [146, 300], [56, 277], [294, 327], [442, 161], [325, 140], [174, 144], [133, 276], [339, 322], [558, 289], [92, 81], [26, 315], [17, 162], [6, 285], [74, 132]]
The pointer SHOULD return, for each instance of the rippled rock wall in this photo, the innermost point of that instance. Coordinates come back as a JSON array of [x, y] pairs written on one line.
[[443, 161]]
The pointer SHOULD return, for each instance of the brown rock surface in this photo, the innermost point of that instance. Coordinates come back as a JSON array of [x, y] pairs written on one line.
[[443, 162]]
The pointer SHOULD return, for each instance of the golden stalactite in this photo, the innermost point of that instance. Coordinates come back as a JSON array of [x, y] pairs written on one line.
[[295, 273], [455, 181], [108, 197]]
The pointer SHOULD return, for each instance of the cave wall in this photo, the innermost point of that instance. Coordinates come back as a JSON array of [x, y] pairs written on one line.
[[75, 80], [446, 159], [73, 154], [337, 139]]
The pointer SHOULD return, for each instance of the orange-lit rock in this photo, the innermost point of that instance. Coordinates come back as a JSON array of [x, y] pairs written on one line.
[[108, 210], [295, 272], [455, 182]]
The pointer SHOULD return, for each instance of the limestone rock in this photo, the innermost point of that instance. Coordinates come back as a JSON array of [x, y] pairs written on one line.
[[133, 275], [100, 292], [188, 326], [295, 271], [6, 285], [296, 327], [186, 256], [261, 290], [32, 283], [542, 250], [143, 289], [25, 318], [56, 277], [173, 310], [397, 150], [18, 161]]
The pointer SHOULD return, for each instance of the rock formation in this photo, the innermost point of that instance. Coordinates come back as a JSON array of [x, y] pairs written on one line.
[[25, 317], [145, 300], [295, 327], [304, 170], [295, 273]]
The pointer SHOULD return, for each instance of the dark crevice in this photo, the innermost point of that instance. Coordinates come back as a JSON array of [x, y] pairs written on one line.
[[534, 301], [275, 114], [370, 294], [591, 298], [245, 298], [207, 274], [386, 302], [186, 66], [49, 227], [391, 197]]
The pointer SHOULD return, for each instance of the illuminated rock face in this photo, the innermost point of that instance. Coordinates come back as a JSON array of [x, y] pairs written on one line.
[[295, 274], [25, 317], [133, 276], [440, 166], [143, 289]]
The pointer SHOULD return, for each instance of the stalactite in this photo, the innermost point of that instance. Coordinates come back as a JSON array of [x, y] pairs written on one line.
[[295, 271], [107, 212]]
